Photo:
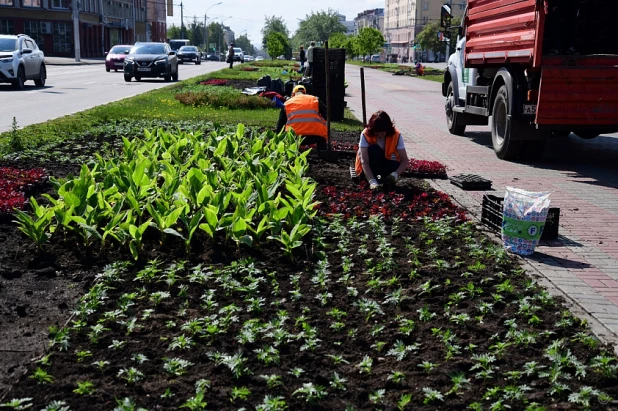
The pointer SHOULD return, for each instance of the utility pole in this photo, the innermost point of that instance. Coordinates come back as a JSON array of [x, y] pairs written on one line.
[[134, 18], [206, 27], [103, 18], [182, 22], [76, 30]]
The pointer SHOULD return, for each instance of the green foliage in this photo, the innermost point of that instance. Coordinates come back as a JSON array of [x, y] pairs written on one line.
[[318, 26], [427, 39], [245, 44], [222, 97], [273, 24], [369, 41], [341, 41], [276, 44]]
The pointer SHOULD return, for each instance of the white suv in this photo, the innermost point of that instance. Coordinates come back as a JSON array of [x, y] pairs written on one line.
[[21, 60], [238, 54]]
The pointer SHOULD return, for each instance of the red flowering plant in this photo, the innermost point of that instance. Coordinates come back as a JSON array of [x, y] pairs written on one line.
[[214, 82], [426, 169], [363, 203], [250, 69], [15, 183]]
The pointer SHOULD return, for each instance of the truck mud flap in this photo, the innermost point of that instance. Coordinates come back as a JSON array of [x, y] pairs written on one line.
[[584, 96]]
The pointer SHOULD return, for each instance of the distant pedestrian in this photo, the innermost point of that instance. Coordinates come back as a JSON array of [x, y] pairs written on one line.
[[230, 55], [310, 59], [418, 68], [302, 59]]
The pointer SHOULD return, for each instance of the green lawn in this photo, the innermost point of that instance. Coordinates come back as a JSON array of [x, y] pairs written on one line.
[[160, 104]]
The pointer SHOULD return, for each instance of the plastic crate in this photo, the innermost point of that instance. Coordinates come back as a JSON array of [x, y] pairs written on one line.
[[471, 182], [491, 216]]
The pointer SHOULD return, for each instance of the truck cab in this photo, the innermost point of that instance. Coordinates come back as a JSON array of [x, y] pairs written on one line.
[[506, 73]]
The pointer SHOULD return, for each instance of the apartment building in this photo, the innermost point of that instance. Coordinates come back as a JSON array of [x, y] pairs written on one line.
[[369, 18], [102, 23], [404, 19]]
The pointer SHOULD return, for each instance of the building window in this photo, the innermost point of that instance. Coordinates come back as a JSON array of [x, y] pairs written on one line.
[[425, 5], [6, 27], [32, 29], [6, 2], [63, 38], [31, 3], [60, 4]]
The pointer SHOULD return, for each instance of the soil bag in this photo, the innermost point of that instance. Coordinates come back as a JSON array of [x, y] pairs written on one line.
[[523, 219]]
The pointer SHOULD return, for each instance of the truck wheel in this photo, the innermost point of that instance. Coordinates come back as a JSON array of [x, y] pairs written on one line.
[[453, 119], [587, 135], [501, 130]]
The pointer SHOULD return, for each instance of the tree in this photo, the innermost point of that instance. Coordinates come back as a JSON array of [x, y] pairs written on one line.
[[341, 41], [195, 32], [215, 36], [244, 43], [276, 44], [369, 41], [427, 39], [274, 24], [173, 32], [319, 27]]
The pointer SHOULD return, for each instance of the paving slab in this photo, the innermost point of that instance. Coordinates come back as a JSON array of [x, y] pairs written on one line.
[[582, 176]]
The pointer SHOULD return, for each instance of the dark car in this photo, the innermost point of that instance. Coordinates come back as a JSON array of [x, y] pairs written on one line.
[[151, 60], [213, 57], [114, 59], [189, 53]]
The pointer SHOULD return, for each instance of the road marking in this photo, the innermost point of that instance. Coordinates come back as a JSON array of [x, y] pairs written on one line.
[[90, 82]]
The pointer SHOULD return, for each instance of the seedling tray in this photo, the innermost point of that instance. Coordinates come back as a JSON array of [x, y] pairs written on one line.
[[491, 216], [355, 178], [471, 182]]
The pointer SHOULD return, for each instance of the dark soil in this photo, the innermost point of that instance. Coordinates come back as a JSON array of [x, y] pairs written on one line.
[[39, 289], [241, 84]]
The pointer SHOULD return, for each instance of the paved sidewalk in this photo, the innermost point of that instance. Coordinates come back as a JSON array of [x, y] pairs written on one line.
[[581, 175], [70, 61]]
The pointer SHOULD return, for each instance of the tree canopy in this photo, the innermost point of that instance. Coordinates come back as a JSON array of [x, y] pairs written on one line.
[[215, 35], [369, 41], [318, 27], [274, 24], [276, 45], [427, 39], [341, 41]]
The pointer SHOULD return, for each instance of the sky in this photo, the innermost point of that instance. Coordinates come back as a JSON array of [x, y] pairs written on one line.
[[248, 15]]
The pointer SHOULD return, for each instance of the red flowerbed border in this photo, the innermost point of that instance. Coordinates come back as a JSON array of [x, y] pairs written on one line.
[[214, 82], [14, 183], [425, 168]]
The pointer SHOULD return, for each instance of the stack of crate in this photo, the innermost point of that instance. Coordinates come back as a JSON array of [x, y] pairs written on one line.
[[337, 79]]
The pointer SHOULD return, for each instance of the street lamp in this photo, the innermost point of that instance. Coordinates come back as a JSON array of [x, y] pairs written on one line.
[[205, 25], [220, 37]]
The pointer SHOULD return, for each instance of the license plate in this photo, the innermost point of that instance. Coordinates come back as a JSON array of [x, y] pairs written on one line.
[[530, 109], [117, 64], [143, 69]]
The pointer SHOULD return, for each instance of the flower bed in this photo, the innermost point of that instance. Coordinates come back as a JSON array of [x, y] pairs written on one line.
[[14, 184], [249, 69], [372, 309], [425, 169], [214, 82]]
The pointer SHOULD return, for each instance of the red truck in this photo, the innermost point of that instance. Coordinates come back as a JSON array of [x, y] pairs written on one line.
[[505, 68]]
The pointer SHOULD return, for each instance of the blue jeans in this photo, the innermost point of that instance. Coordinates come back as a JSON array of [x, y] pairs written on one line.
[[379, 165]]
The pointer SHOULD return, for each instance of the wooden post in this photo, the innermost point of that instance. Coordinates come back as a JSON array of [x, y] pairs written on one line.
[[327, 64], [362, 70]]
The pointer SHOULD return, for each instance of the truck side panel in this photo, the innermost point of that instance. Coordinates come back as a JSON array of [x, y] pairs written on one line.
[[578, 96], [502, 31]]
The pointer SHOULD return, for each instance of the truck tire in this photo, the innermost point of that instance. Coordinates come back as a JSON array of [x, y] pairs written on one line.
[[453, 119], [502, 132], [587, 135]]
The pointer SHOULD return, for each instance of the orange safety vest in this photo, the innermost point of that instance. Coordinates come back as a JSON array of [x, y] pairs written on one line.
[[390, 148], [303, 112]]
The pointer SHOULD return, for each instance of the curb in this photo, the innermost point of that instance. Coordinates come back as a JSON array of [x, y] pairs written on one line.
[[69, 62]]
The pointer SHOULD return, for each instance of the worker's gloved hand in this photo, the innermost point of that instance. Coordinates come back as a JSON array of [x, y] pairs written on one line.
[[392, 178], [373, 184]]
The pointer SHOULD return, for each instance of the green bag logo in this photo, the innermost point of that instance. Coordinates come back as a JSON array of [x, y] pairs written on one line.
[[526, 230]]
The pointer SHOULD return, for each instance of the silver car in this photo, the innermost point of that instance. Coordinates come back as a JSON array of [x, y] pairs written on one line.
[[21, 60]]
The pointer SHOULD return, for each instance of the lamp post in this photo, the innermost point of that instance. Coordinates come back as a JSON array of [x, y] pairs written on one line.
[[206, 26]]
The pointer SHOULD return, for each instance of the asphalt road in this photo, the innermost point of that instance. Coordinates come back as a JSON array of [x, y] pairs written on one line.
[[70, 89]]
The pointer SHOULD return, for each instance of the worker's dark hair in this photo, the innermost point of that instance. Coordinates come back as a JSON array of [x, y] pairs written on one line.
[[380, 121]]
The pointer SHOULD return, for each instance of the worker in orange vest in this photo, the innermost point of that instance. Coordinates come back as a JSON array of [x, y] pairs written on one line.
[[305, 115], [381, 152]]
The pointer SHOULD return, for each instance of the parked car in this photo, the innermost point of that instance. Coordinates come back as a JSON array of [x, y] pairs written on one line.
[[259, 58], [114, 58], [376, 58], [248, 58], [213, 57], [21, 60], [189, 53], [281, 57], [151, 60], [239, 55]]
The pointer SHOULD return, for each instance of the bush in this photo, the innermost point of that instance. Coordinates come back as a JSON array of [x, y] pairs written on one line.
[[217, 97]]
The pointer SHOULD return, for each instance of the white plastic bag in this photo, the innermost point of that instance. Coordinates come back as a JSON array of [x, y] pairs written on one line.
[[523, 219]]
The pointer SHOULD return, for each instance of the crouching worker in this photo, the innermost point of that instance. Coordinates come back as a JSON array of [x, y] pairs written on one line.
[[381, 152], [305, 115]]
